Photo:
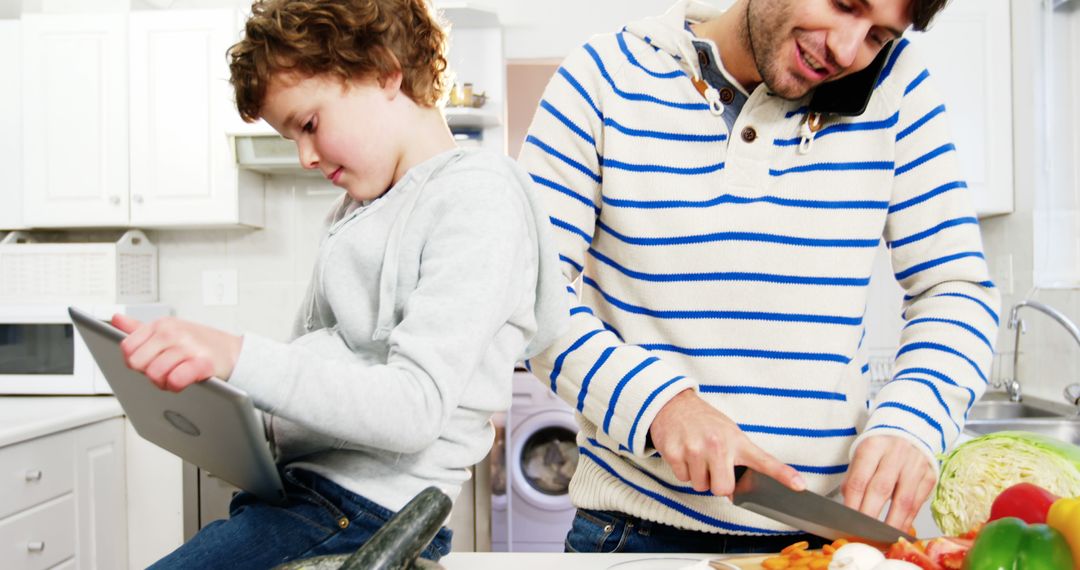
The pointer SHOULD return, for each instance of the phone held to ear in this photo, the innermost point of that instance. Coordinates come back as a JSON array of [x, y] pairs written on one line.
[[849, 95]]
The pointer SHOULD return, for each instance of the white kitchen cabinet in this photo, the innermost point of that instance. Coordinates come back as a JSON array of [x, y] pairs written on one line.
[[62, 499], [10, 126], [75, 142], [124, 122], [968, 52], [183, 172]]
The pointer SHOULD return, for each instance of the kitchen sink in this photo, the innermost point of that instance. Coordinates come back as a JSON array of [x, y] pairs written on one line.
[[1065, 429], [1006, 410]]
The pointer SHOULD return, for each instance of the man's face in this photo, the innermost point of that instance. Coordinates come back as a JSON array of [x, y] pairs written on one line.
[[800, 44]]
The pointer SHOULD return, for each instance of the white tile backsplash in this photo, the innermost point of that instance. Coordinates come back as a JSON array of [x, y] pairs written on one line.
[[272, 264]]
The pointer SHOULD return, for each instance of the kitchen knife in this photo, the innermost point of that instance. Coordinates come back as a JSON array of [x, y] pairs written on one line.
[[808, 511]]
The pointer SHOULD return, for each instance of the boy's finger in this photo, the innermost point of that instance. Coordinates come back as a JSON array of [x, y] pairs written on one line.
[[125, 323]]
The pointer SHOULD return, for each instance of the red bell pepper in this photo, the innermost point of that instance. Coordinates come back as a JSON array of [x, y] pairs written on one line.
[[1025, 501]]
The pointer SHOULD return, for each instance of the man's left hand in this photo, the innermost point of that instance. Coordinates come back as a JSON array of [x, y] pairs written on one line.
[[888, 467]]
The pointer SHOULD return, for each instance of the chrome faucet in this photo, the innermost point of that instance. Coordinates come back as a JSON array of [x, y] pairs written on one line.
[[1012, 387], [1072, 395]]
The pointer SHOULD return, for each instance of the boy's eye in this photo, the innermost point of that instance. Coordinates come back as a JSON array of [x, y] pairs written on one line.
[[843, 6]]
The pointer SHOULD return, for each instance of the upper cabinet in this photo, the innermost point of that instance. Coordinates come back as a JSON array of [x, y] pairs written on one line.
[[183, 171], [124, 122], [10, 126], [75, 147], [968, 51]]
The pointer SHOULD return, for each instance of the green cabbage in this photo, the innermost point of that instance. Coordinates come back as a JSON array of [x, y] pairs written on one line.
[[976, 471]]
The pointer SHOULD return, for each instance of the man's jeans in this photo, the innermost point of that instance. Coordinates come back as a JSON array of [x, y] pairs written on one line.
[[260, 535], [605, 531]]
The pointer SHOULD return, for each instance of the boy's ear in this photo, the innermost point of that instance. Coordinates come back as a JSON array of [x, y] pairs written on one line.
[[391, 84]]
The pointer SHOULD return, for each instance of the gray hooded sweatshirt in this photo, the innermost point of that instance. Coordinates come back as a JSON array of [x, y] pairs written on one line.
[[420, 305]]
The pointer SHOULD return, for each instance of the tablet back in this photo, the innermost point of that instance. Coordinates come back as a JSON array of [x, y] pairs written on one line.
[[210, 424]]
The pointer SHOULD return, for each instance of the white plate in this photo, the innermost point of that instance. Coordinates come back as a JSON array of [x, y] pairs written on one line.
[[667, 563]]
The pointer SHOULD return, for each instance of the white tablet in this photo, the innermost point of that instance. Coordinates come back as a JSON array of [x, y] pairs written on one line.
[[210, 424]]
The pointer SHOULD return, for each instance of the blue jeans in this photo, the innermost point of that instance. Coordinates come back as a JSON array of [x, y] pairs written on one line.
[[606, 531], [318, 517]]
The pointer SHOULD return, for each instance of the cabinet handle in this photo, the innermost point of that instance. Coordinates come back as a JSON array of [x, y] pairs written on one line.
[[114, 200], [35, 546], [33, 475], [138, 198]]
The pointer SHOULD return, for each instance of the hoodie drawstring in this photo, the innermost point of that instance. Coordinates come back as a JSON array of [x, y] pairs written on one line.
[[712, 96], [809, 127]]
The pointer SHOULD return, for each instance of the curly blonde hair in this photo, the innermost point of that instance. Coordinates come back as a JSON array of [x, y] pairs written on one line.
[[347, 39]]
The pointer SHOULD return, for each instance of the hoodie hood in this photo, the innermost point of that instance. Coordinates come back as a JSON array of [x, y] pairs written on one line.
[[551, 308], [668, 32]]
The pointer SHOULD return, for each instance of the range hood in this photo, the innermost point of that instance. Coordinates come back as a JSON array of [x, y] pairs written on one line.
[[260, 148], [269, 153]]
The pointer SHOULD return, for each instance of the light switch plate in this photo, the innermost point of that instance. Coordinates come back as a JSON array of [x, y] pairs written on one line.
[[219, 287]]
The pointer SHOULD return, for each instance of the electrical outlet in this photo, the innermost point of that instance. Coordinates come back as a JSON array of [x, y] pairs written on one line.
[[219, 287]]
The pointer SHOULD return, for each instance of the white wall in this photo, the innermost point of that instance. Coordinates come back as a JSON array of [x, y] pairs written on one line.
[[553, 28], [1050, 359], [272, 265]]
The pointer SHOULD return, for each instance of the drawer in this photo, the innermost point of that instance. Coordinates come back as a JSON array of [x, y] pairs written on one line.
[[41, 537], [35, 471]]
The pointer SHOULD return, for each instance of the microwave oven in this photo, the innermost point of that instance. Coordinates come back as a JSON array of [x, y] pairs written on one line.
[[42, 353]]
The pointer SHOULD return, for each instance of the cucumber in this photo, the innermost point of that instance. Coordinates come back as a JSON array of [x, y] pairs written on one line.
[[395, 546]]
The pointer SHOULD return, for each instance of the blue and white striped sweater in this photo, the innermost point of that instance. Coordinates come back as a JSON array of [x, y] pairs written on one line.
[[740, 269]]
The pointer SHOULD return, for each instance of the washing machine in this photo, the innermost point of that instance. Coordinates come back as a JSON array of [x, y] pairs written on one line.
[[532, 512]]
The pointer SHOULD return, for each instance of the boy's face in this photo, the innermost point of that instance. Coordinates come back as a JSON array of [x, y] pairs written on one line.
[[800, 44], [347, 132]]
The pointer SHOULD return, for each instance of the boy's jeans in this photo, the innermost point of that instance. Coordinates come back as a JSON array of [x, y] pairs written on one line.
[[260, 535], [605, 531]]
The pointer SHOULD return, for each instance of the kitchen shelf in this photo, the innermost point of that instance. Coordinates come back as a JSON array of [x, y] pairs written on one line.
[[469, 117]]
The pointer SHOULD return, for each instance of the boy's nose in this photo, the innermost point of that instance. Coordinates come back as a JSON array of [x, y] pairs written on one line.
[[309, 159]]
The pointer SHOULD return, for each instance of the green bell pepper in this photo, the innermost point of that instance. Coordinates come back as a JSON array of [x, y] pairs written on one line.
[[1012, 544]]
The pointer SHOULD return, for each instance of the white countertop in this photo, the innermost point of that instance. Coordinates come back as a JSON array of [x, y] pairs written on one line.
[[561, 561], [27, 417]]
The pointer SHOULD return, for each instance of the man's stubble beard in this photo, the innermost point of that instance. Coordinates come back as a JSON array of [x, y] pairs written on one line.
[[762, 33]]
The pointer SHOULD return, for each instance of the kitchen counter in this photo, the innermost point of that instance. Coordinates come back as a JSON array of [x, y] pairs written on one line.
[[561, 561], [27, 417]]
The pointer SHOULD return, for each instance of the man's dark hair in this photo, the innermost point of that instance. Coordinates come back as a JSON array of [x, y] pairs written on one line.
[[922, 11]]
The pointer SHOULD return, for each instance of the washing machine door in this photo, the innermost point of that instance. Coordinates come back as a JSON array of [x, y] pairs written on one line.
[[545, 454]]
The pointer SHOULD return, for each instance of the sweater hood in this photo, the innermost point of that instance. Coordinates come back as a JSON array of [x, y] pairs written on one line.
[[551, 308], [667, 31]]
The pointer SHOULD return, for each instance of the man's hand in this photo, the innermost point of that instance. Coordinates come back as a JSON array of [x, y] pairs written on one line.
[[888, 467], [703, 446], [174, 353]]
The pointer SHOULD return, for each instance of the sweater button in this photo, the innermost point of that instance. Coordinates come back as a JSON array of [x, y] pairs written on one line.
[[727, 95], [749, 134]]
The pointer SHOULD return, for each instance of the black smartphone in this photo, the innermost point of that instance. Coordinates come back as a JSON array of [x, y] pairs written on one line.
[[849, 95]]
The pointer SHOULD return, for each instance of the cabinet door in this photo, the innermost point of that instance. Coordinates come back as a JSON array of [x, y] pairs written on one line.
[[75, 119], [182, 170], [10, 127], [968, 52], [100, 491]]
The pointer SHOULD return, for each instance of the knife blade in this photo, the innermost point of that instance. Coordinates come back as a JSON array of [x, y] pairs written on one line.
[[808, 511]]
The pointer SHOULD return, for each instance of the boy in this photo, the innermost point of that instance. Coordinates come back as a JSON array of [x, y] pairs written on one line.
[[433, 279]]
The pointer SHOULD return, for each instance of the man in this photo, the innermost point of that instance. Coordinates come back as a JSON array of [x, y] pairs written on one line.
[[718, 223]]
